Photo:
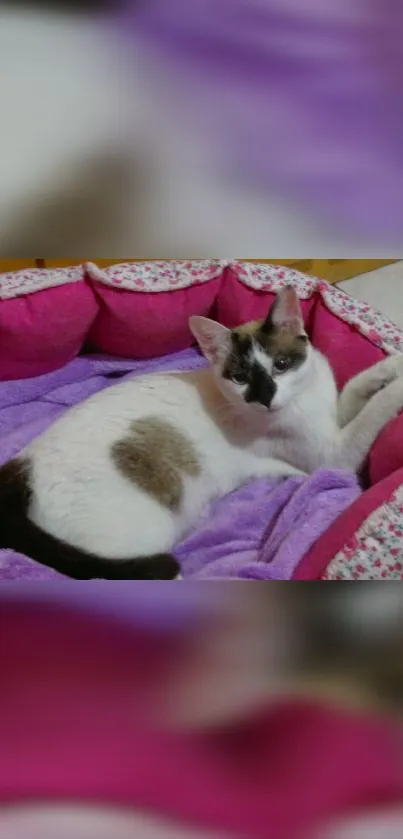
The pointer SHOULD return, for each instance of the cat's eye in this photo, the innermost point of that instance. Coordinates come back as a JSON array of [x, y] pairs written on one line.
[[281, 364], [239, 378]]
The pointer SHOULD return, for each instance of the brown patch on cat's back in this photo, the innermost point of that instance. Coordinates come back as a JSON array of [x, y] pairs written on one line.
[[156, 456]]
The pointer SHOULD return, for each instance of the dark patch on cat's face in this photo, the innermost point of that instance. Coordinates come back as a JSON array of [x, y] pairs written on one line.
[[260, 354], [244, 369]]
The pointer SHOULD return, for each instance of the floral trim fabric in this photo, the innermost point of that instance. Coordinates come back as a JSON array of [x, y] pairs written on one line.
[[371, 323], [367, 320], [271, 278], [157, 276], [178, 274], [19, 283], [375, 552]]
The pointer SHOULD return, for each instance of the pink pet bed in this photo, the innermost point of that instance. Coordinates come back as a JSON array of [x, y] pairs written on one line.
[[139, 313]]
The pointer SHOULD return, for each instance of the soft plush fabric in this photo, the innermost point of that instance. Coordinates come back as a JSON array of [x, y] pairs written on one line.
[[262, 531], [144, 309], [44, 320], [73, 729]]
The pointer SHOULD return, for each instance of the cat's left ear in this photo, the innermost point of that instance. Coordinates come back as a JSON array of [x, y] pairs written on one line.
[[286, 313], [213, 338]]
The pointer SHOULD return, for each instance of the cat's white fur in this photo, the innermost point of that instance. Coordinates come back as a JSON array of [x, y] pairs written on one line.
[[81, 497]]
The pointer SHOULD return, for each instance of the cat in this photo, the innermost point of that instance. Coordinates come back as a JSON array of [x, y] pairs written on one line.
[[111, 487]]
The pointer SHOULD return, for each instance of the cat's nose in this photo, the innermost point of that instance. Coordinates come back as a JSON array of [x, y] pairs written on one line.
[[262, 390]]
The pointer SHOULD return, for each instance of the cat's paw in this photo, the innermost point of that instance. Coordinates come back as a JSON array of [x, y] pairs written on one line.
[[392, 397], [389, 370]]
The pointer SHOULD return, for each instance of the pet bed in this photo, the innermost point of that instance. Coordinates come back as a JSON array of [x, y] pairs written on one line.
[[67, 333]]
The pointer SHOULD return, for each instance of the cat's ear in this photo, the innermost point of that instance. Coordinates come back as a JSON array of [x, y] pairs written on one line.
[[286, 313], [213, 338]]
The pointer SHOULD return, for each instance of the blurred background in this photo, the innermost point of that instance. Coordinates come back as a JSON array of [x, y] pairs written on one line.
[[194, 711], [172, 128]]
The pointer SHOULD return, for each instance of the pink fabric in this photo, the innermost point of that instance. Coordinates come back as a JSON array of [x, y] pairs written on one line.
[[237, 303], [72, 728], [387, 453], [41, 332], [348, 351], [315, 562], [140, 325]]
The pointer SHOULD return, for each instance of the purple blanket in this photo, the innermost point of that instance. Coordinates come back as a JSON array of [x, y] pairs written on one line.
[[304, 97], [261, 531]]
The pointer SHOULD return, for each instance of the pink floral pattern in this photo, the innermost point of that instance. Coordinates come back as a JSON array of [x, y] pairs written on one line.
[[19, 283], [367, 320], [157, 276], [375, 552], [270, 278]]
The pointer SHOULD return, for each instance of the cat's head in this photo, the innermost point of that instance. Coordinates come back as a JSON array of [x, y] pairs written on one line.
[[264, 363]]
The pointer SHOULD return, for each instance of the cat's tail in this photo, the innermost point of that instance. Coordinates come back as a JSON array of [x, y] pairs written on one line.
[[19, 533]]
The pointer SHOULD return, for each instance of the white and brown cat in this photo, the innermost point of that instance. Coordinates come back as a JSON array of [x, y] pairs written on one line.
[[112, 486]]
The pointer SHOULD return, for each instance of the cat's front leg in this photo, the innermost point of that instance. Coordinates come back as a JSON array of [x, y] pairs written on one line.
[[359, 390], [354, 441]]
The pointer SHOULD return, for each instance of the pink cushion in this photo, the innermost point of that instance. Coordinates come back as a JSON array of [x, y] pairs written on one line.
[[137, 324], [387, 453], [348, 350], [45, 317]]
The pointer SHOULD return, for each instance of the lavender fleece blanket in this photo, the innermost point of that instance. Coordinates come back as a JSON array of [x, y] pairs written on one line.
[[260, 532]]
